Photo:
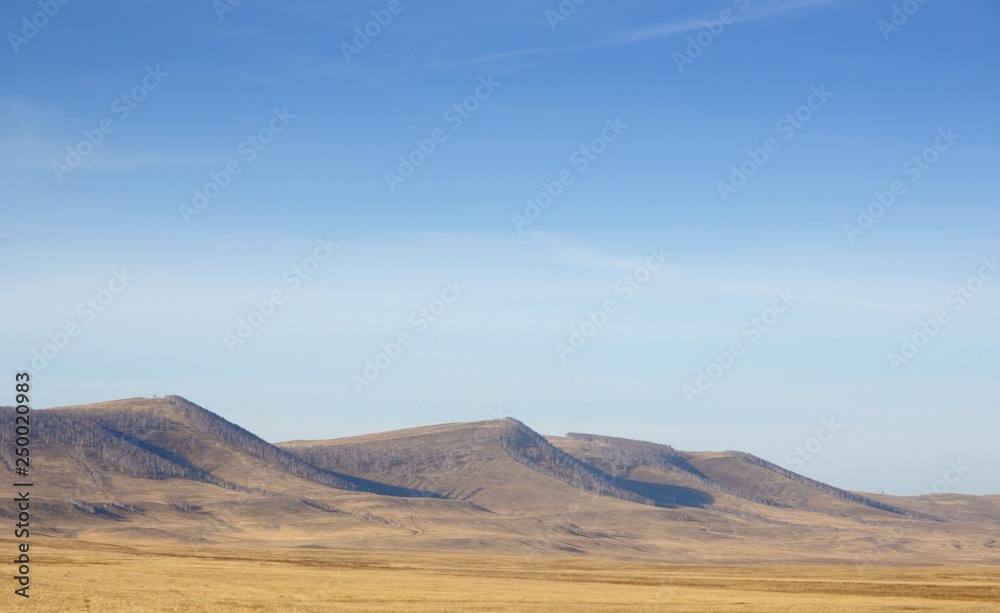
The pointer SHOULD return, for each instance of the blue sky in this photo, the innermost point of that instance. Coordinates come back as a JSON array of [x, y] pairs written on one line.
[[244, 144]]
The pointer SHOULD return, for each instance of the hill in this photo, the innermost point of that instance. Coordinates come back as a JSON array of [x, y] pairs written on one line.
[[165, 469]]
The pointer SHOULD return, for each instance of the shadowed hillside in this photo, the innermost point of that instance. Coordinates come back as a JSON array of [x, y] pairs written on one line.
[[741, 475], [158, 469], [500, 465], [165, 467]]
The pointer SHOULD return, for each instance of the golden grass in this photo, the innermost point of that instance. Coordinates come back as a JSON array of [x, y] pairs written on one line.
[[77, 576]]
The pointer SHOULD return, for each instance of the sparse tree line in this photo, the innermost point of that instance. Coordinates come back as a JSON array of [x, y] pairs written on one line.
[[376, 459], [377, 519], [534, 451], [366, 516], [117, 509], [81, 432], [126, 508], [243, 439], [108, 436], [829, 489], [317, 505], [7, 436], [183, 505], [413, 471], [95, 476], [98, 510], [131, 442], [116, 438], [625, 455]]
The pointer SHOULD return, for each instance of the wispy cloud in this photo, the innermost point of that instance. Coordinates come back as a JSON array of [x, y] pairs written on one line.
[[662, 30]]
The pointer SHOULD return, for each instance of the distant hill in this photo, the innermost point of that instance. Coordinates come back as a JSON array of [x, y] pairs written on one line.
[[734, 473], [160, 469]]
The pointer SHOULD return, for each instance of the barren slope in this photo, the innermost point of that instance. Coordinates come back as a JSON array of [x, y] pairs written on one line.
[[165, 469]]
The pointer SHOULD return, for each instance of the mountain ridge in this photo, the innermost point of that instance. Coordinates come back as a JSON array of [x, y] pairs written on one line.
[[166, 468]]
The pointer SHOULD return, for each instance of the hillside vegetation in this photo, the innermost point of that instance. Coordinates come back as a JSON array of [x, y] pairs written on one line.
[[168, 470]]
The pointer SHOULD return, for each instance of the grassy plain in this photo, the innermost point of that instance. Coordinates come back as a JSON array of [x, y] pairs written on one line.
[[78, 576]]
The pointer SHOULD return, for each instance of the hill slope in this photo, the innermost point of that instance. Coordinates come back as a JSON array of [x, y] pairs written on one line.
[[500, 465], [724, 475], [166, 469]]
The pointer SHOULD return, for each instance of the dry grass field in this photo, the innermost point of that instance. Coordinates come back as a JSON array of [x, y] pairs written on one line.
[[77, 576]]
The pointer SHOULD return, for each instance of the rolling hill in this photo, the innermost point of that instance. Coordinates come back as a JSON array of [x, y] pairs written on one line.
[[165, 469]]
